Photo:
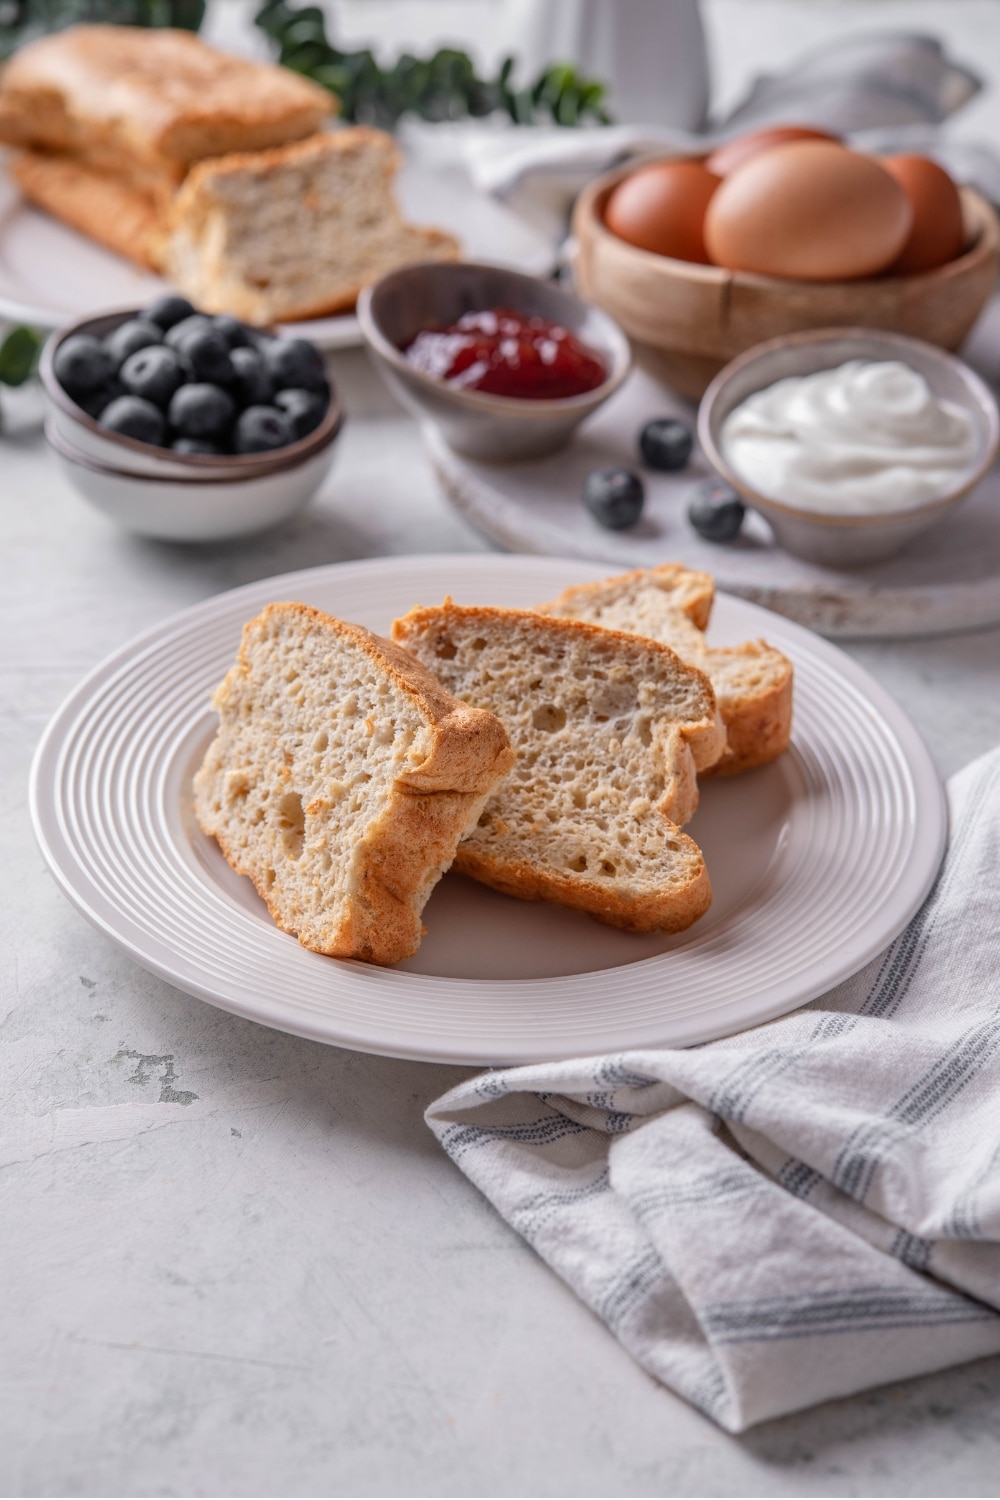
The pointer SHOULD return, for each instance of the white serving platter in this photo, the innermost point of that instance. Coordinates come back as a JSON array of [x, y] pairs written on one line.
[[947, 579], [817, 861], [50, 275]]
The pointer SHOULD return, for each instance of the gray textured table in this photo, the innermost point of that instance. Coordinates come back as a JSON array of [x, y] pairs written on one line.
[[236, 1263]]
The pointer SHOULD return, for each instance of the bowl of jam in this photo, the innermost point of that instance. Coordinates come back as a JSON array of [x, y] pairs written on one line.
[[505, 365]]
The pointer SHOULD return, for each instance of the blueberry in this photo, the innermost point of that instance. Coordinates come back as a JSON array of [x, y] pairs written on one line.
[[295, 364], [207, 353], [614, 497], [201, 411], [137, 333], [82, 365], [236, 335], [153, 373], [666, 444], [196, 445], [94, 403], [135, 418], [305, 410], [261, 428], [176, 334], [715, 511], [250, 383], [166, 311]]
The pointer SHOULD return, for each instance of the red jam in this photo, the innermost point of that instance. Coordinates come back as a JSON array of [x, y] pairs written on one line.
[[506, 353]]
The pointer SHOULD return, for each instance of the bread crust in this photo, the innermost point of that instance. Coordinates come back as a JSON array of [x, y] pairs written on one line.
[[413, 839], [669, 910], [150, 101], [103, 208], [758, 716]]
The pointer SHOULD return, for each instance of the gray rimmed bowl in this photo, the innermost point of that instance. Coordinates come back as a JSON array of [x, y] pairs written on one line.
[[193, 508], [85, 434], [841, 541], [178, 497], [497, 428]]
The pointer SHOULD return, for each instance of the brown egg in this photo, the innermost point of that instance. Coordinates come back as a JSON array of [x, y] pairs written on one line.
[[809, 210], [662, 208], [938, 233], [734, 153]]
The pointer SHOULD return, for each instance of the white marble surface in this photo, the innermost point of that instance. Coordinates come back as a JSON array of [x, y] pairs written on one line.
[[236, 1263]]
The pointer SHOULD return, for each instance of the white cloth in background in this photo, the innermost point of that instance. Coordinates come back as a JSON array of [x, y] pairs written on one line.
[[884, 91], [798, 1212]]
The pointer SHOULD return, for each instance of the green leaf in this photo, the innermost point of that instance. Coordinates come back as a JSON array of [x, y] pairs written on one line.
[[442, 87], [304, 29], [19, 355], [306, 57]]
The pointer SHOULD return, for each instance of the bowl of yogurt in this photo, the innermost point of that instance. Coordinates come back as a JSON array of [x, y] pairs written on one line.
[[850, 442]]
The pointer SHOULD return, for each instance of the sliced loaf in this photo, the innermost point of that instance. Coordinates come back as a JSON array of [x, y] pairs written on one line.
[[609, 732], [142, 104], [295, 232], [671, 604], [101, 205], [341, 779]]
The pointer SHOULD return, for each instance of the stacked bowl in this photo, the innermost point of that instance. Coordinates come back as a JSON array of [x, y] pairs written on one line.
[[181, 497]]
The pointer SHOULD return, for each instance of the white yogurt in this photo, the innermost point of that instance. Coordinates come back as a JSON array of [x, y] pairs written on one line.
[[863, 438]]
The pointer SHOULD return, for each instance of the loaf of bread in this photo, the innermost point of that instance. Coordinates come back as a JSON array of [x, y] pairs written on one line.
[[103, 207], [609, 732], [671, 604], [143, 104], [297, 232], [341, 779]]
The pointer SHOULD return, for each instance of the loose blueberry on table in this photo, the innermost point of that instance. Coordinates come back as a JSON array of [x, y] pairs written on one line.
[[614, 497], [176, 378], [716, 511], [666, 444]]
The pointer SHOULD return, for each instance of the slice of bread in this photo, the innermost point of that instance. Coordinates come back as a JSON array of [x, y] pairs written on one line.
[[272, 236], [644, 594], [609, 732], [671, 604], [341, 779]]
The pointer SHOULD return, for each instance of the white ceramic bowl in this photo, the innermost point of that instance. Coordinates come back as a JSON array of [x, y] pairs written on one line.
[[192, 509], [841, 541], [503, 428], [88, 438]]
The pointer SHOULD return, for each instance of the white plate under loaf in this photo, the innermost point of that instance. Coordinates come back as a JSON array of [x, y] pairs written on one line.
[[817, 861]]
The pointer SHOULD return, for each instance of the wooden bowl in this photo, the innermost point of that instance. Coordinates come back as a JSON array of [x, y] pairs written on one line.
[[687, 321]]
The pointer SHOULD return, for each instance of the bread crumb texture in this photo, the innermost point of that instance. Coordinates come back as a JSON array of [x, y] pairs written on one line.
[[341, 779], [296, 232], [609, 732], [672, 604]]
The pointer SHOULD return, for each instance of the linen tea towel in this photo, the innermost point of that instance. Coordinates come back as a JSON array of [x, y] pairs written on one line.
[[799, 1212]]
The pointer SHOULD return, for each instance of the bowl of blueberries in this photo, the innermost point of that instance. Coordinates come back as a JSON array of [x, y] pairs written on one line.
[[186, 426]]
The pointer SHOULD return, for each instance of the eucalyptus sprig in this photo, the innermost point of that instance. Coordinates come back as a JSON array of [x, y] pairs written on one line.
[[19, 351], [445, 86]]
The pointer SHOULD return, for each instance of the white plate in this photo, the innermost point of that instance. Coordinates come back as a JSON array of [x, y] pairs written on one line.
[[50, 275], [946, 580], [817, 860]]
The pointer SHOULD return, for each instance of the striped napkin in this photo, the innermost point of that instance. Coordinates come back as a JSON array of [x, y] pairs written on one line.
[[796, 1213]]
